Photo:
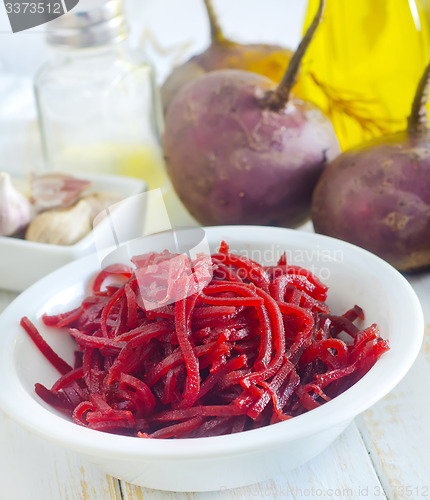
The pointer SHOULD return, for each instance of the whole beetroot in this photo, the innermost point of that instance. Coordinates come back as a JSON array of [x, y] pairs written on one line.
[[265, 59], [241, 151], [378, 195]]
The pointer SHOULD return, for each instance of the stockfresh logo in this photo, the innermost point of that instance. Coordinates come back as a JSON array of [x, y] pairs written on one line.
[[26, 14]]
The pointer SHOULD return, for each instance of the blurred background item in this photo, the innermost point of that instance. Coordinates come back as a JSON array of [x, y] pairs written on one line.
[[97, 100], [166, 33], [364, 64]]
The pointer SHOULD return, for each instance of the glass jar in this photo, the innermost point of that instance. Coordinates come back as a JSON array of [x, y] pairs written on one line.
[[98, 104]]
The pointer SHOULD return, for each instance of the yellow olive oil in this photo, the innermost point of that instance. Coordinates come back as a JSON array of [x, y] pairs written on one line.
[[364, 64], [141, 161]]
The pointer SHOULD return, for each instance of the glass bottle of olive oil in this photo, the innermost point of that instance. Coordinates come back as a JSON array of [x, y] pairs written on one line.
[[364, 64]]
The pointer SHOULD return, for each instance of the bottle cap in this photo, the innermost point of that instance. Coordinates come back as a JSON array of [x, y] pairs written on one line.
[[91, 23]]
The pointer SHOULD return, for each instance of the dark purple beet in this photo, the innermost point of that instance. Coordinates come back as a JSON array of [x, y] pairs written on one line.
[[378, 195], [241, 151]]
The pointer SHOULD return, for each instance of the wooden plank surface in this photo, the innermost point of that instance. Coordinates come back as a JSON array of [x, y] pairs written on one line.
[[34, 469], [384, 455], [397, 429], [31, 468], [344, 470]]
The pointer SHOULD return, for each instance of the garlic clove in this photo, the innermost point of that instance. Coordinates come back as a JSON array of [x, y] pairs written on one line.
[[61, 227], [101, 200], [15, 208], [56, 190]]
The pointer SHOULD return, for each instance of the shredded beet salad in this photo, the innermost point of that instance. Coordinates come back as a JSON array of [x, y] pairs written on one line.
[[241, 346]]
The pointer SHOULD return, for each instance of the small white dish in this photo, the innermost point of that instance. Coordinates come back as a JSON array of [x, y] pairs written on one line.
[[23, 262], [354, 276]]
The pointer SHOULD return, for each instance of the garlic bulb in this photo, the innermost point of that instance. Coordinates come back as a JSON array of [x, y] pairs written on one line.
[[61, 227], [15, 208]]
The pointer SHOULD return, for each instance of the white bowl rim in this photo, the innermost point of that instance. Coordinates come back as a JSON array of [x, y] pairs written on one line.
[[28, 412]]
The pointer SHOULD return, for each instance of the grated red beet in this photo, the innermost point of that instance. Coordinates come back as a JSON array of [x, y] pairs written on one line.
[[255, 346]]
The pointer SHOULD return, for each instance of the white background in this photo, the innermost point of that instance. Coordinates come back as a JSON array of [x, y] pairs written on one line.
[[171, 21]]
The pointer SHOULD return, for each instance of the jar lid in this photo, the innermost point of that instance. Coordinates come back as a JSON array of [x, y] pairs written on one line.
[[95, 23]]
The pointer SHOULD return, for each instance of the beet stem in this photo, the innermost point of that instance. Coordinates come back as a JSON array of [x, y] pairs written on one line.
[[217, 35], [276, 99], [417, 122]]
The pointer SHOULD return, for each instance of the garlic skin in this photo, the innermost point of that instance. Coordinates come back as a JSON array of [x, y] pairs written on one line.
[[56, 190], [61, 227], [15, 208], [101, 200]]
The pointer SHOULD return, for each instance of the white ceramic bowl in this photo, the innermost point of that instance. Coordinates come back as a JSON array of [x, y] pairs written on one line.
[[355, 277], [23, 262]]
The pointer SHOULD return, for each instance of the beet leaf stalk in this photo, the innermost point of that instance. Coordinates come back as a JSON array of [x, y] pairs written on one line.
[[278, 98], [217, 35], [261, 58], [417, 123]]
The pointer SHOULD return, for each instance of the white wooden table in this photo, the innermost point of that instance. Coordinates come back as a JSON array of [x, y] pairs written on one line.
[[385, 453]]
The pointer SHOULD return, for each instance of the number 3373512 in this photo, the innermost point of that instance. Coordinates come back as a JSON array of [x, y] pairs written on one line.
[[33, 8]]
